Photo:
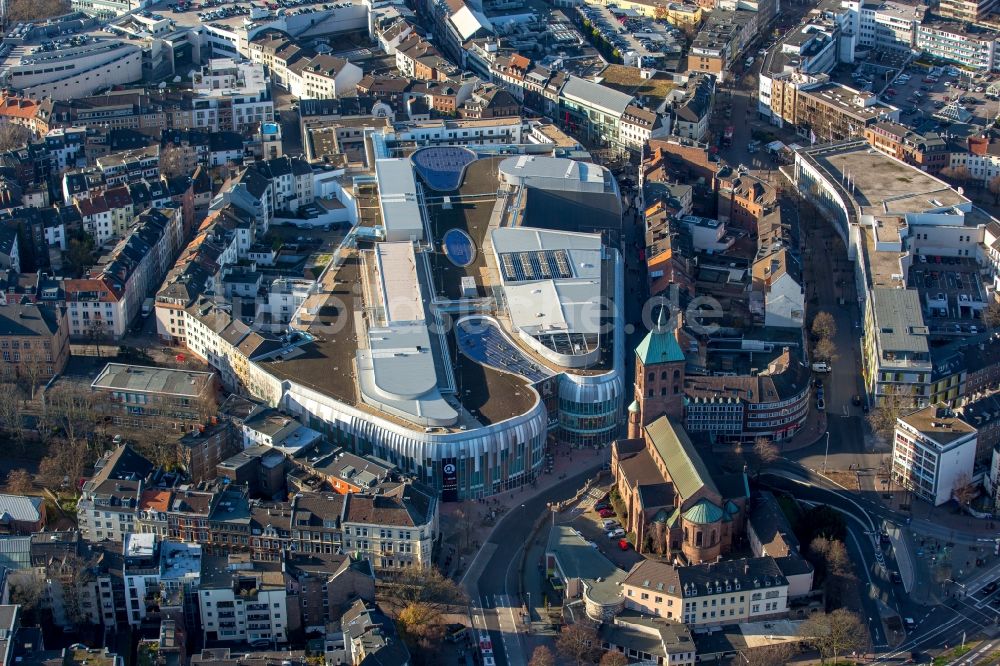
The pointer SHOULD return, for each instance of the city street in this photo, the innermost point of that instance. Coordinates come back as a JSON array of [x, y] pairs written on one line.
[[494, 582]]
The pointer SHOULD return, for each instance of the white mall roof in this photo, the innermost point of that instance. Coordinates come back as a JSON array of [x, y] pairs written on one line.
[[397, 272], [555, 173], [397, 189], [546, 305], [396, 372]]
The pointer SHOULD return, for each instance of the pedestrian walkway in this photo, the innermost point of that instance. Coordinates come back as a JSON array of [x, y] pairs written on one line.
[[811, 432], [467, 525]]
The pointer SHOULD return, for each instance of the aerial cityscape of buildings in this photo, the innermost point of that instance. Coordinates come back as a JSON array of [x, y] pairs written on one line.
[[499, 332]]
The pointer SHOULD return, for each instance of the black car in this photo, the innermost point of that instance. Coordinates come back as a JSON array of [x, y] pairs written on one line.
[[990, 588], [895, 577], [856, 400]]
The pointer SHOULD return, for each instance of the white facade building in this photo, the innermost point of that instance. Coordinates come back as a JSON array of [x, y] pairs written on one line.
[[933, 453], [242, 601], [238, 96]]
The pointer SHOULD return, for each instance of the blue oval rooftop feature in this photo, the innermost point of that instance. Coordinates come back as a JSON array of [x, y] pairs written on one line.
[[441, 167], [459, 248]]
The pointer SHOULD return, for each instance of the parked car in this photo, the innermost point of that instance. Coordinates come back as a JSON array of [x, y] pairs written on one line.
[[601, 506], [610, 524], [820, 404], [821, 366], [624, 544], [856, 400], [616, 533], [605, 513]]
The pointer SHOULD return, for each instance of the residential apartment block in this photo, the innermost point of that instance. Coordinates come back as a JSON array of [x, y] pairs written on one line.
[[933, 453], [242, 600]]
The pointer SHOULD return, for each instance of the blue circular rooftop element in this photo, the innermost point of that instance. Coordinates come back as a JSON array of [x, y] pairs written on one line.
[[441, 167], [459, 248]]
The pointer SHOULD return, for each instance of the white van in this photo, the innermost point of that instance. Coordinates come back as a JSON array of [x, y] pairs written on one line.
[[748, 61], [821, 366]]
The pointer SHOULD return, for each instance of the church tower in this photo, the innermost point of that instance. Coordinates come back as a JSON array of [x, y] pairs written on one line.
[[659, 374], [634, 421]]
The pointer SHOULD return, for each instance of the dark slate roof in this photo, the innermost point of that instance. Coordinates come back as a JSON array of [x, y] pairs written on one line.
[[25, 320]]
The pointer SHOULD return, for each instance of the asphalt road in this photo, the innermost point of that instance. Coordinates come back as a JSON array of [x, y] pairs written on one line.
[[873, 578], [498, 583], [968, 612]]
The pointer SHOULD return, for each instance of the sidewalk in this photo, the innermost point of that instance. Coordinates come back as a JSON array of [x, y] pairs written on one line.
[[467, 525], [810, 433]]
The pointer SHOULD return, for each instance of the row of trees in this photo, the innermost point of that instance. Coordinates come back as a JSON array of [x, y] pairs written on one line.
[[418, 599], [74, 430], [34, 10], [824, 328]]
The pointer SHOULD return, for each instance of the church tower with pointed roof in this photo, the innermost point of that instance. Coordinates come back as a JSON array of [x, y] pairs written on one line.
[[659, 373]]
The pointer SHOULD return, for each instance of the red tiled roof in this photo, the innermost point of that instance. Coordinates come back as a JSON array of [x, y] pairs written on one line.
[[157, 500], [85, 285], [18, 107], [92, 205]]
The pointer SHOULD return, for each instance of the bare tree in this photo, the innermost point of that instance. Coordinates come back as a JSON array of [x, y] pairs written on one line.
[[66, 463], [960, 175], [11, 411], [769, 655], [658, 536], [834, 634], [70, 412], [13, 136], [34, 10], [463, 525], [890, 406], [542, 656], [75, 573], [32, 368], [824, 327], [994, 187], [825, 350], [613, 658], [156, 443], [579, 644], [27, 589], [19, 482], [766, 452], [96, 332], [964, 490], [991, 314], [419, 598]]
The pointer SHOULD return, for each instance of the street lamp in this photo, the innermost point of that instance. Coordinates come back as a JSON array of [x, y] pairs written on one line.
[[826, 451]]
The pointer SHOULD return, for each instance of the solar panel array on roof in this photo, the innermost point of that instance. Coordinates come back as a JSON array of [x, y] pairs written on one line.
[[536, 265]]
